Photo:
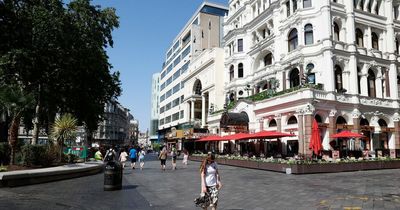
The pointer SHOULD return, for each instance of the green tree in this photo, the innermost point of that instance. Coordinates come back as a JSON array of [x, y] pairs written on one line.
[[64, 129], [57, 53], [14, 102]]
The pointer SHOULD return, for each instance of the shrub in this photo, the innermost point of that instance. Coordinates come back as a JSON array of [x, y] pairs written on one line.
[[38, 155], [4, 153]]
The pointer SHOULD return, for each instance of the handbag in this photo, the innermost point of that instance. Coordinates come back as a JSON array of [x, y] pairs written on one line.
[[203, 200]]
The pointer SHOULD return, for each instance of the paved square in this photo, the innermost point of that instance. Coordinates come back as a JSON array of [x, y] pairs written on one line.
[[243, 189]]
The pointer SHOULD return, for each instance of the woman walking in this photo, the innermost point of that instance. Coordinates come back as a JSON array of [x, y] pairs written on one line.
[[141, 158], [123, 157], [210, 179], [163, 157], [185, 157]]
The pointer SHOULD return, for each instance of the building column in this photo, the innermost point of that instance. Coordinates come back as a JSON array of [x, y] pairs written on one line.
[[187, 112], [300, 132], [356, 126], [378, 83], [394, 94], [278, 118], [368, 36], [203, 110], [261, 120], [396, 119], [364, 80], [350, 26], [332, 123], [192, 110], [308, 118], [353, 86]]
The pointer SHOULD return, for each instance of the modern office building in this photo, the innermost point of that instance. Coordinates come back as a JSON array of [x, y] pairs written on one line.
[[335, 61], [155, 90], [180, 111]]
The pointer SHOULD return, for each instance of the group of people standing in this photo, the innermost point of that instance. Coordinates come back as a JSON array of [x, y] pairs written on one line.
[[135, 153], [163, 155]]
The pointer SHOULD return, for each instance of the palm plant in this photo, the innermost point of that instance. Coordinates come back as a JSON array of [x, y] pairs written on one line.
[[14, 101], [64, 129]]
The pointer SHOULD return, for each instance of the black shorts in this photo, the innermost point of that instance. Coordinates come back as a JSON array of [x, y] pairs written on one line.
[[163, 161], [133, 160]]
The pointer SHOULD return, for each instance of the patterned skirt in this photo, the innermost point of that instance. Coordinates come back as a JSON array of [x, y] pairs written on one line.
[[213, 192]]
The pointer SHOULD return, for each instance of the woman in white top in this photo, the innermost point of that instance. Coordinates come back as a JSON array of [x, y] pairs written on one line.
[[123, 157], [210, 179], [141, 158]]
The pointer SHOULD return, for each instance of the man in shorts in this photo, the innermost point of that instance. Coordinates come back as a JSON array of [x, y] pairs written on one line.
[[133, 155]]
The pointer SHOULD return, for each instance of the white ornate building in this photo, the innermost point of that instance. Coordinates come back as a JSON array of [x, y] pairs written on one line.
[[335, 61]]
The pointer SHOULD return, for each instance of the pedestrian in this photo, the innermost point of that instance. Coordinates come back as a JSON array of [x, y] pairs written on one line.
[[98, 155], [110, 155], [123, 157], [210, 179], [185, 157], [132, 156], [174, 154], [163, 157], [142, 153]]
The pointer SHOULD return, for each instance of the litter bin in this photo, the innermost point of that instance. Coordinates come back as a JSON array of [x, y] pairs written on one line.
[[112, 176]]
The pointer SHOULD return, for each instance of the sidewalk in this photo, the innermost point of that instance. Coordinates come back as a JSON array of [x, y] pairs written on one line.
[[35, 176]]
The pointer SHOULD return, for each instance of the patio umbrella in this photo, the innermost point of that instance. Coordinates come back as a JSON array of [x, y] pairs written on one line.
[[268, 135], [237, 136], [210, 138], [347, 134], [315, 140]]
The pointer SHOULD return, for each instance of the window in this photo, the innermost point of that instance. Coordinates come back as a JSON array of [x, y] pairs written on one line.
[[359, 79], [293, 40], [294, 5], [359, 38], [294, 78], [336, 32], [371, 83], [176, 88], [307, 3], [310, 76], [338, 78], [186, 52], [231, 73], [176, 75], [288, 8], [375, 39], [272, 123], [197, 88], [308, 34], [397, 46], [292, 120], [268, 59], [240, 70], [181, 117], [240, 45]]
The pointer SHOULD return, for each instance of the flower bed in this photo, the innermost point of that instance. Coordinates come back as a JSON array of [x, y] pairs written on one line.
[[304, 167]]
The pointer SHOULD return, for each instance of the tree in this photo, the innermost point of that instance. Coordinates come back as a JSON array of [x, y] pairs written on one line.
[[64, 129], [57, 53], [14, 102]]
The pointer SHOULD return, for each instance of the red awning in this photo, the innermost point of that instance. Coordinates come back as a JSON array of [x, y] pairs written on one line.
[[347, 134], [237, 136], [268, 135], [210, 138]]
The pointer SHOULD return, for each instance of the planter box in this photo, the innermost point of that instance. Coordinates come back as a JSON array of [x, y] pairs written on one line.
[[307, 168]]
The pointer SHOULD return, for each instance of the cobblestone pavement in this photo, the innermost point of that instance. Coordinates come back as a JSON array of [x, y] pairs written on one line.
[[243, 189]]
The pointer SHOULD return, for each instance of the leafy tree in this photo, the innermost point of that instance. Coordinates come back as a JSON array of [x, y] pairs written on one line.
[[57, 53], [64, 129], [14, 101]]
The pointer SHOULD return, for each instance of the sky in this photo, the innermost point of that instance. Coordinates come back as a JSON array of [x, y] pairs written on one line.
[[147, 29]]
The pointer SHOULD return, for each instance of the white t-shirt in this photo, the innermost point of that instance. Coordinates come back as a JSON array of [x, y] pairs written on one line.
[[211, 174], [123, 156]]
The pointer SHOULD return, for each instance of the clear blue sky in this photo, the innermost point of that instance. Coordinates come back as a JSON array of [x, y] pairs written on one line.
[[147, 29]]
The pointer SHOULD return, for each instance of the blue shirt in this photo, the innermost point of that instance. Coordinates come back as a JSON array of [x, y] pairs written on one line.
[[132, 153]]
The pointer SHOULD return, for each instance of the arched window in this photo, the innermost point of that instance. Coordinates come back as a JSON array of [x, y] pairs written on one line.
[[197, 87], [375, 41], [359, 38], [318, 118], [272, 123], [292, 120], [293, 40], [294, 78], [240, 70], [310, 76], [307, 3], [308, 34], [268, 59], [231, 73], [382, 123], [364, 122], [336, 32], [338, 78], [371, 83], [359, 79], [341, 121]]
